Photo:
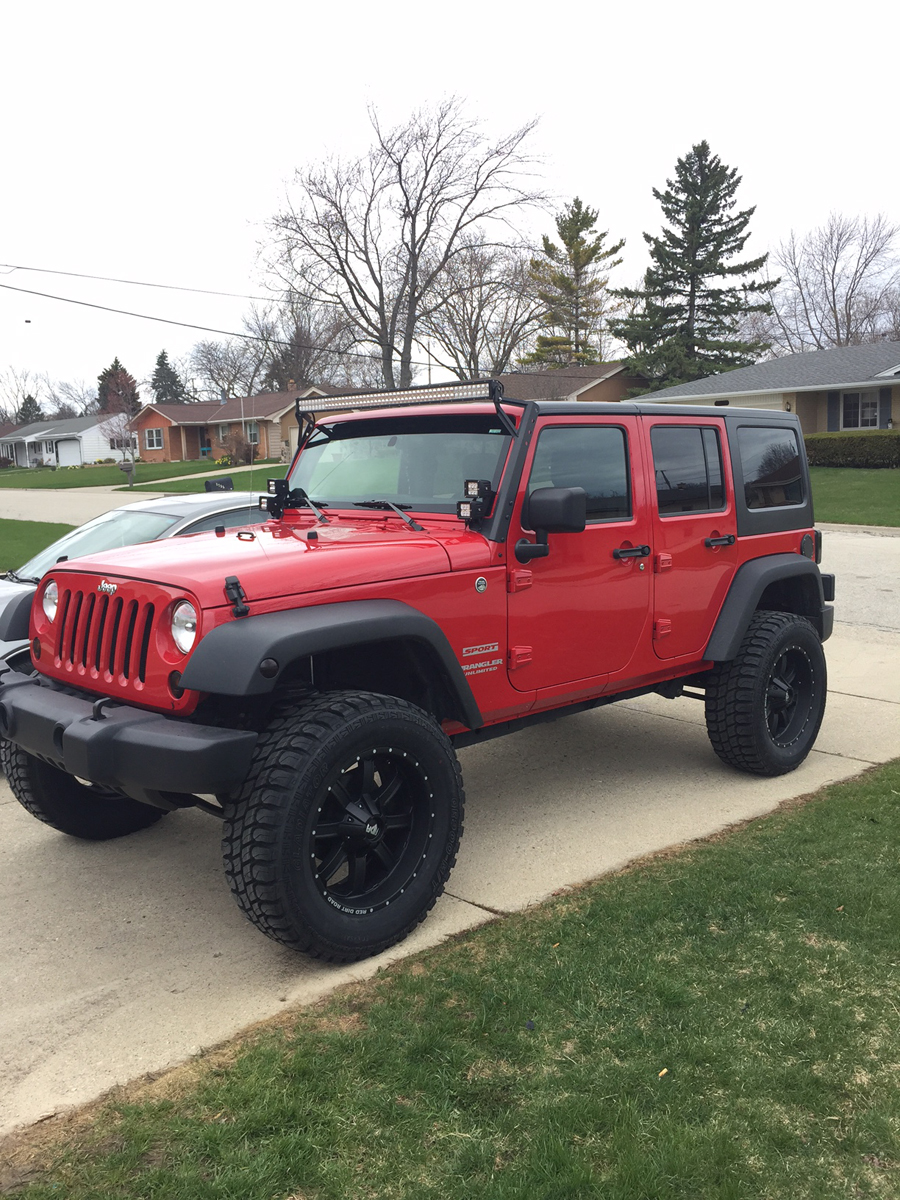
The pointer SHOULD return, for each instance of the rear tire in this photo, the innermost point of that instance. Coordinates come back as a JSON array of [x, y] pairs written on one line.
[[347, 826], [765, 706], [59, 800]]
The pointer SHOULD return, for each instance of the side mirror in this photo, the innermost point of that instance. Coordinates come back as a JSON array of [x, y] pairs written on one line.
[[551, 510]]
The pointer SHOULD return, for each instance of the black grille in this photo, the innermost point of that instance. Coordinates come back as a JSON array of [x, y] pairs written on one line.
[[108, 634]]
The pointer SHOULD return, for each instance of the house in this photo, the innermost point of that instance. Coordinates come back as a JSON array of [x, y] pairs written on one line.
[[600, 382], [848, 387], [180, 432], [67, 443]]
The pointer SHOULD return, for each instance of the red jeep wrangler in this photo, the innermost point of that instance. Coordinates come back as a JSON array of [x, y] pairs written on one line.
[[440, 566]]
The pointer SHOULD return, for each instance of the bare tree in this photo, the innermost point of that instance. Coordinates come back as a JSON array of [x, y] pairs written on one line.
[[69, 399], [316, 344], [483, 309], [236, 366], [15, 386], [836, 285], [371, 237]]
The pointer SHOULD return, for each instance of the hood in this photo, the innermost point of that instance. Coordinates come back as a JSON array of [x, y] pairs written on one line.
[[275, 559]]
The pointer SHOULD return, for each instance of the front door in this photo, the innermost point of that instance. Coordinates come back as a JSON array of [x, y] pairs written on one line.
[[577, 615]]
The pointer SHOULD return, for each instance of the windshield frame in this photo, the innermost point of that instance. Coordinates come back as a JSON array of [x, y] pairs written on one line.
[[478, 427]]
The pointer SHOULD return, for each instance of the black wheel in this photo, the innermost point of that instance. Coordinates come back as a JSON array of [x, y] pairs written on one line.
[[63, 802], [765, 706], [347, 826]]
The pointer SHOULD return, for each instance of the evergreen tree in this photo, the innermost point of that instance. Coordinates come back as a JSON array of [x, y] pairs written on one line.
[[117, 391], [685, 322], [569, 282], [166, 385], [29, 411]]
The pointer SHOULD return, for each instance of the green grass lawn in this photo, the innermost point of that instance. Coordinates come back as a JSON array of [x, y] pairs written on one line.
[[717, 1023], [250, 481], [21, 540], [106, 476], [856, 496]]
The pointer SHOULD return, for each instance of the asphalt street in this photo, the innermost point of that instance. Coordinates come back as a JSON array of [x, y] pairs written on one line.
[[124, 957]]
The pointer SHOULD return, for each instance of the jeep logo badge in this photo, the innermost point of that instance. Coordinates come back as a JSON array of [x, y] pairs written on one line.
[[373, 829], [481, 584], [105, 586]]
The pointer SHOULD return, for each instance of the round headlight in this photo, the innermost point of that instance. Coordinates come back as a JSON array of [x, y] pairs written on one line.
[[184, 625], [50, 600]]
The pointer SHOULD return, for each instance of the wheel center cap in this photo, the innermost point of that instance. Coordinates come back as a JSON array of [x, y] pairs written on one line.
[[373, 829]]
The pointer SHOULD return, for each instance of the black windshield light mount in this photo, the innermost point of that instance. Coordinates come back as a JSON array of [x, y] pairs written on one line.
[[280, 496], [479, 497]]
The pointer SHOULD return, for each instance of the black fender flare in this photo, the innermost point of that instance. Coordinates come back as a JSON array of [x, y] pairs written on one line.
[[15, 616], [747, 587], [227, 661]]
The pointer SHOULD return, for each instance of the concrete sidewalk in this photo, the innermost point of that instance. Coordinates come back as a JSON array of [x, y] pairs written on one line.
[[124, 957]]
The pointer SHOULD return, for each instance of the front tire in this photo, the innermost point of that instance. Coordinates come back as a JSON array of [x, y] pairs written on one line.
[[59, 800], [347, 826], [765, 706]]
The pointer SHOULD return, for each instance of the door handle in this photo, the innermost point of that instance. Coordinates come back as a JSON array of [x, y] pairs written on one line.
[[632, 552], [727, 540]]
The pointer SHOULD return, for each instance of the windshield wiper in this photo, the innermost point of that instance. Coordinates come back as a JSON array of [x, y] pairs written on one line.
[[304, 499], [395, 507], [16, 578]]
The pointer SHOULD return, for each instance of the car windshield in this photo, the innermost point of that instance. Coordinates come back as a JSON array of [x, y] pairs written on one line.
[[415, 462], [107, 532]]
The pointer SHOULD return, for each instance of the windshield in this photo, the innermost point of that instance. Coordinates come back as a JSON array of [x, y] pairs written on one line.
[[107, 532], [416, 462]]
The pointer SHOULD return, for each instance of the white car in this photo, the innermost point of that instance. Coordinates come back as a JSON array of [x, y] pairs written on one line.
[[144, 521]]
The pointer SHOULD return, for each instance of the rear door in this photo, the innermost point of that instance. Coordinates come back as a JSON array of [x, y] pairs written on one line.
[[694, 531]]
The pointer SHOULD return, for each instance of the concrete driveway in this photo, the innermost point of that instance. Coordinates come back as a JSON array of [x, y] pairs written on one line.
[[128, 956]]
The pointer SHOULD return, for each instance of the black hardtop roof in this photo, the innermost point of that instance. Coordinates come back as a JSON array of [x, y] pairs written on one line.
[[649, 409]]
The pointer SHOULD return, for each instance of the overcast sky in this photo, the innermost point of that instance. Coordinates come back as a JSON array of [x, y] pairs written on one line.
[[152, 142]]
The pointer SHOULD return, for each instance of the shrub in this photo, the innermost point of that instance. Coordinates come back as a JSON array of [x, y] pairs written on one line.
[[239, 449], [867, 448]]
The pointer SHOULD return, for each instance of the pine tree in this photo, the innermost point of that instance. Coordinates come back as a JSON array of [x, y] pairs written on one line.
[[569, 282], [166, 385], [29, 412], [685, 323], [117, 390]]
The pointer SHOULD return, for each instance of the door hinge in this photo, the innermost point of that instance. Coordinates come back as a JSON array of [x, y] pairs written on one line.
[[518, 581], [519, 656], [661, 628], [663, 562]]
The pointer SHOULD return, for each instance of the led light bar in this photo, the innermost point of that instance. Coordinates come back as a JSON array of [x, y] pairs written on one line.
[[432, 393]]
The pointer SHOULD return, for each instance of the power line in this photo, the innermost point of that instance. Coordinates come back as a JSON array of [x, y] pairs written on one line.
[[250, 337], [171, 287]]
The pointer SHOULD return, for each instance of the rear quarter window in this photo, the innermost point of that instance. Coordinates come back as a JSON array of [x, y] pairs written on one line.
[[771, 467]]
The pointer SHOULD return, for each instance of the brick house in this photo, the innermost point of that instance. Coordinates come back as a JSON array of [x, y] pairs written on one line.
[[596, 383], [181, 432]]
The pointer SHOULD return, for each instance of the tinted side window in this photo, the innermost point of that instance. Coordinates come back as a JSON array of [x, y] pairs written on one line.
[[591, 457], [770, 459], [688, 465]]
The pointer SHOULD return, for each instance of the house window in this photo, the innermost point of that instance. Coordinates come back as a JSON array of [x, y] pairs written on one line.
[[859, 410], [153, 439], [125, 442], [223, 433], [253, 433]]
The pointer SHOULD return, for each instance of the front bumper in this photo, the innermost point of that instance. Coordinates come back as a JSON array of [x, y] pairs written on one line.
[[141, 753]]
